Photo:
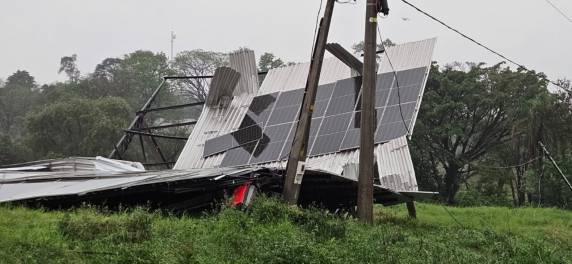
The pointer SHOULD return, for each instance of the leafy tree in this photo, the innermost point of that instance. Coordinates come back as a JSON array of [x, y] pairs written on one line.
[[107, 69], [68, 65], [555, 191], [21, 79], [197, 63], [358, 47], [16, 98], [138, 75], [77, 127], [269, 61], [12, 151], [467, 113]]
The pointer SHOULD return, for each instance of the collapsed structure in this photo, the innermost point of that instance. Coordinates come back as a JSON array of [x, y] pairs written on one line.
[[244, 134]]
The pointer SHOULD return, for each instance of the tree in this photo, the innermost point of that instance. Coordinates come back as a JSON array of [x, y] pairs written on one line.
[[77, 127], [11, 152], [269, 61], [68, 65], [21, 79], [138, 75], [107, 69], [467, 113], [197, 63], [358, 47], [18, 96]]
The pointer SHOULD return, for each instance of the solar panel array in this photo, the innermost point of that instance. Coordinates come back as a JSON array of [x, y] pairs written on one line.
[[267, 130]]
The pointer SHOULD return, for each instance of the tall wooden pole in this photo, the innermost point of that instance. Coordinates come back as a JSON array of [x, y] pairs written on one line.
[[297, 157], [368, 121]]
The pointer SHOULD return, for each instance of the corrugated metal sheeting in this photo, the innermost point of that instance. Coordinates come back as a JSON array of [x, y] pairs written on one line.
[[216, 121], [394, 161], [76, 164], [51, 184]]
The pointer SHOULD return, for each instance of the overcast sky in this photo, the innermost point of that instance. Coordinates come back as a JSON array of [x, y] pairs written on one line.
[[35, 34]]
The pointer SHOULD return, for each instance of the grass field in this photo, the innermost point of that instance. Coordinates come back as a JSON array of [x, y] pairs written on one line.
[[270, 232]]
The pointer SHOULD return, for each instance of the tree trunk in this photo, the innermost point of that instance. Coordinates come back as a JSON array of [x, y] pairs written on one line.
[[520, 173], [451, 183]]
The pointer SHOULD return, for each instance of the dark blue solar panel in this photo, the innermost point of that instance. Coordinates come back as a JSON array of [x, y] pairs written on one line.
[[239, 155], [327, 144], [325, 92], [290, 98], [284, 115], [247, 134], [259, 110], [267, 130], [335, 124], [391, 131], [218, 145]]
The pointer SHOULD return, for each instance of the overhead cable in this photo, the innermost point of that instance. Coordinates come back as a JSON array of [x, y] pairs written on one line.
[[559, 10], [396, 81], [316, 28], [477, 42], [508, 167]]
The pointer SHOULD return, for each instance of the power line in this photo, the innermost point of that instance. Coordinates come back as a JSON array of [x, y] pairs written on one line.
[[508, 167], [477, 42], [452, 216], [316, 28], [396, 81], [559, 10]]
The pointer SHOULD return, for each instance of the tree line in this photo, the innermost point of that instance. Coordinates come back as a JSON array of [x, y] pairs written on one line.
[[475, 140]]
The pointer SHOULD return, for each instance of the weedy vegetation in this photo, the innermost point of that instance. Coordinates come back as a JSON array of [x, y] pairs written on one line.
[[272, 232]]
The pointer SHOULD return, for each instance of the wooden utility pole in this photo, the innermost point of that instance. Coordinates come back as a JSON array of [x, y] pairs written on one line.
[[297, 157], [368, 121]]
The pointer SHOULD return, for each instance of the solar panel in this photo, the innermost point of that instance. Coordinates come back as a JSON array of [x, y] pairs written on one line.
[[344, 97], [247, 135], [335, 124], [218, 145], [284, 115], [267, 130], [238, 156], [259, 110]]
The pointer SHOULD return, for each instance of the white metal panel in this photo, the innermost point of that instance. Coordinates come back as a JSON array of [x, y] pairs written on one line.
[[62, 184], [395, 167], [244, 62], [409, 55], [394, 161], [217, 121], [295, 76]]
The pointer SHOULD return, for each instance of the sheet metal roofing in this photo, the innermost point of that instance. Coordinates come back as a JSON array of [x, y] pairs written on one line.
[[23, 185], [395, 167]]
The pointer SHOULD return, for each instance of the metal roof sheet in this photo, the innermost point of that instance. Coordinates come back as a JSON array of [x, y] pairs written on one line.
[[79, 183], [394, 161]]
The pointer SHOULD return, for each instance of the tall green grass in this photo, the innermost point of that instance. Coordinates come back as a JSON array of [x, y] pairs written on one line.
[[271, 232]]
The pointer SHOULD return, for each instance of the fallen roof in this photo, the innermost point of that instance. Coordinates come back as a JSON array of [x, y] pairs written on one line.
[[205, 172], [76, 164], [178, 190], [16, 186], [395, 167]]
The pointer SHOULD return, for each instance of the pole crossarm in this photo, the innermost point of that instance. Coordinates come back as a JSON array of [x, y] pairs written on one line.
[[345, 56]]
